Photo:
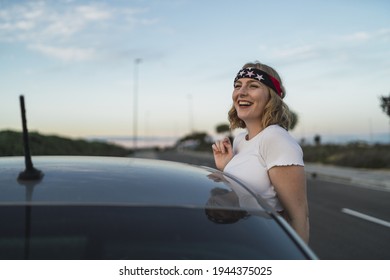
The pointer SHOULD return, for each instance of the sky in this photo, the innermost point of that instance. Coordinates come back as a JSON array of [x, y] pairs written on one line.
[[80, 64]]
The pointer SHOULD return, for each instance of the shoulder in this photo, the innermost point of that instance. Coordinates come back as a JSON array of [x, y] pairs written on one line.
[[276, 133], [278, 141]]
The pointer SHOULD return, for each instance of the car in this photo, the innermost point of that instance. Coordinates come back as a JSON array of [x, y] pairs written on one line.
[[109, 208]]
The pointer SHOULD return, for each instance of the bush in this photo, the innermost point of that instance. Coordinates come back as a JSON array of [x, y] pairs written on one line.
[[11, 144], [360, 155]]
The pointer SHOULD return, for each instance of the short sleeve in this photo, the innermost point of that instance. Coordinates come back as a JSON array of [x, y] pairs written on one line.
[[279, 148]]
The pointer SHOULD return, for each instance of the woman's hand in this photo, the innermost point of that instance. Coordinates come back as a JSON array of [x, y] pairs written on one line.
[[223, 153]]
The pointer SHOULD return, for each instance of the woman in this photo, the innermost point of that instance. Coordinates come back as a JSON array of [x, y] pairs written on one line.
[[265, 156]]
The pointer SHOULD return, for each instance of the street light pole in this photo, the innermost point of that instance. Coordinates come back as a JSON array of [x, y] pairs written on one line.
[[137, 61]]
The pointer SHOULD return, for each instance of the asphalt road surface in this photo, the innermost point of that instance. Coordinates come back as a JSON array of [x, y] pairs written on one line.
[[346, 222]]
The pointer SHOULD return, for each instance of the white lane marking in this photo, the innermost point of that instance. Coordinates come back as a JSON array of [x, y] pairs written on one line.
[[365, 217]]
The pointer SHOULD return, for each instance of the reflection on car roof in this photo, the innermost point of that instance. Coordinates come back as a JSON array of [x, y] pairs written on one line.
[[122, 181]]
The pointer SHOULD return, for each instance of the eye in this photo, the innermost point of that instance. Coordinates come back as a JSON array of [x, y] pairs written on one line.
[[237, 86]]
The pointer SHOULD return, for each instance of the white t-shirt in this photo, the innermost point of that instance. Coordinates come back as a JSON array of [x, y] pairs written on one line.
[[252, 159]]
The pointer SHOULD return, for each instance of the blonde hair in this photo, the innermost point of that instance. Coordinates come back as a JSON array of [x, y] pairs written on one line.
[[275, 111]]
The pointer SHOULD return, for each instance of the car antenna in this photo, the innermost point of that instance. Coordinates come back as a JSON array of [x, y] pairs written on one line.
[[30, 173]]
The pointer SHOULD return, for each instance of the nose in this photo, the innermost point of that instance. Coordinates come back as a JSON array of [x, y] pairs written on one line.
[[242, 91], [239, 93]]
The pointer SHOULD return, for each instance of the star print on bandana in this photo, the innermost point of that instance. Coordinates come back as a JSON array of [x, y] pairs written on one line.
[[261, 76], [250, 74]]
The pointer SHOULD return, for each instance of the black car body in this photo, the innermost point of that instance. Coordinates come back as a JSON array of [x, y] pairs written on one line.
[[129, 208]]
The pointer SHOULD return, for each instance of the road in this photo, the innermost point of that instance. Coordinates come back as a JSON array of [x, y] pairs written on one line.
[[338, 231], [347, 222]]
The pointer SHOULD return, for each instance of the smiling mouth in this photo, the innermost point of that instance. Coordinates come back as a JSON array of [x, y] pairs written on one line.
[[244, 103]]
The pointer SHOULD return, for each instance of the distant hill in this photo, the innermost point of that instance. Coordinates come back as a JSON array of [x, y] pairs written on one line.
[[11, 144]]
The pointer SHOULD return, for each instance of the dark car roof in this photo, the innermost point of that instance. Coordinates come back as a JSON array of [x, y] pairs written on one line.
[[109, 180], [144, 200]]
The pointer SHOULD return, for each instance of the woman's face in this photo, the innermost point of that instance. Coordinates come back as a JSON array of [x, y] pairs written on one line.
[[249, 99]]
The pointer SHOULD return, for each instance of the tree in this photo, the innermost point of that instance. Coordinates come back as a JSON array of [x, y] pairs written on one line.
[[221, 128], [317, 140], [294, 120], [385, 104], [195, 141], [224, 128]]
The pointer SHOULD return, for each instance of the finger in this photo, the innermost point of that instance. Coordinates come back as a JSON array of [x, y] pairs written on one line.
[[222, 147], [227, 144], [226, 140], [219, 147]]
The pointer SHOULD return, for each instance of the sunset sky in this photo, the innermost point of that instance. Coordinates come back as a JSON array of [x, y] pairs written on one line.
[[74, 61]]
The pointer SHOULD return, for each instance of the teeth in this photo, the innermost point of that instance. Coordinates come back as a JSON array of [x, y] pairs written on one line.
[[244, 103]]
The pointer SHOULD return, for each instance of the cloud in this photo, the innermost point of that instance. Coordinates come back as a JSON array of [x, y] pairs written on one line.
[[357, 37], [42, 21], [93, 13], [364, 36], [297, 53], [337, 49], [68, 30], [65, 54], [18, 19], [36, 21]]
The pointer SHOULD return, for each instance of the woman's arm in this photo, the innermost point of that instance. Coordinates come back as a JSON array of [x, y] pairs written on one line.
[[290, 185]]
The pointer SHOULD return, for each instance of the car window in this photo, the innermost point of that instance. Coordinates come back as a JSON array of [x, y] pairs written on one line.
[[113, 232]]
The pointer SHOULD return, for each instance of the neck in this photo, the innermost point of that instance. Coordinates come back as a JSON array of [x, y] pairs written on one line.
[[253, 129]]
